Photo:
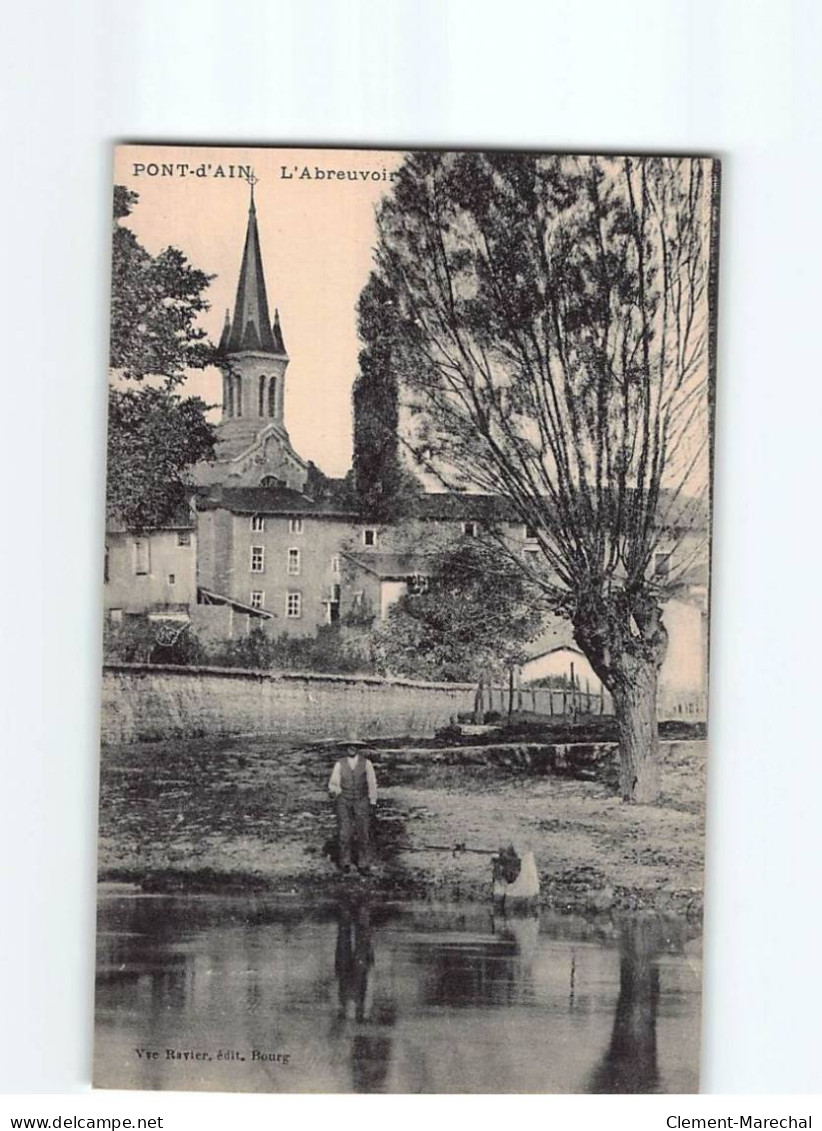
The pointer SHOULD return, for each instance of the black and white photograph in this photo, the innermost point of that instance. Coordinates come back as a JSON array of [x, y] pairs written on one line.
[[406, 620]]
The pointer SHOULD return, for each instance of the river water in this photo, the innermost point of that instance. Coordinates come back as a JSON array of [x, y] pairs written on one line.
[[270, 995]]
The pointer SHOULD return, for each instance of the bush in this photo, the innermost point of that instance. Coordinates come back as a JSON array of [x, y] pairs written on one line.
[[138, 640], [257, 650], [331, 650]]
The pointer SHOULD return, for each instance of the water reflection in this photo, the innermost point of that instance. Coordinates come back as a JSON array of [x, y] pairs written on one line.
[[630, 1063], [368, 997], [354, 960]]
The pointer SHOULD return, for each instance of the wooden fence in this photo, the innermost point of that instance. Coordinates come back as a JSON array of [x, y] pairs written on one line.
[[572, 702], [569, 702]]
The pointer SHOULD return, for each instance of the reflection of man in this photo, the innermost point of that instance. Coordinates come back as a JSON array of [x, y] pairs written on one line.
[[353, 961], [353, 784]]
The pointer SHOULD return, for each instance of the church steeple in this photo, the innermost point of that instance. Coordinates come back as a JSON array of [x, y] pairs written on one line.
[[251, 327], [226, 334], [253, 442], [277, 335]]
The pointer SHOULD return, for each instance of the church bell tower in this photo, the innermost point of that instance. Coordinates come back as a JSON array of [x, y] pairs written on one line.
[[254, 358]]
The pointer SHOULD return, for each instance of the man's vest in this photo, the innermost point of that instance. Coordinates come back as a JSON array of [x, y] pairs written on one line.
[[353, 783]]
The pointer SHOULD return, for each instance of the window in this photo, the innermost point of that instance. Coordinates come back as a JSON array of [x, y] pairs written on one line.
[[295, 526], [272, 396], [369, 536], [238, 396], [469, 529], [332, 605], [270, 481], [106, 566], [257, 598], [261, 402], [530, 533], [417, 584], [335, 563], [257, 559], [183, 537], [172, 579], [294, 605], [258, 523], [531, 555], [141, 556], [294, 560], [662, 563]]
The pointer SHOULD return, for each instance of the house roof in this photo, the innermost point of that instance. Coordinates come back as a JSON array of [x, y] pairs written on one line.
[[676, 513], [461, 506], [695, 574], [392, 567], [284, 500], [209, 597], [266, 500]]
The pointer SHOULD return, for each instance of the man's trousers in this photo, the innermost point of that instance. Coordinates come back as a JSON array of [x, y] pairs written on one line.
[[354, 825]]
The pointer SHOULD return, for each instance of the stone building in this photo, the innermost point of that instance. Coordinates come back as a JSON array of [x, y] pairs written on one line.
[[151, 572], [307, 562]]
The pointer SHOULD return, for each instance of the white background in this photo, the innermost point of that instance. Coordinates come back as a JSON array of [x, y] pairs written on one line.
[[736, 79]]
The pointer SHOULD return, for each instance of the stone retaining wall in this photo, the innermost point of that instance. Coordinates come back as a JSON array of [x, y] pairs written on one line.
[[147, 702]]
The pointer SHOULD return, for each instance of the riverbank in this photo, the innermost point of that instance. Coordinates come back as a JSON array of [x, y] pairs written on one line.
[[253, 814]]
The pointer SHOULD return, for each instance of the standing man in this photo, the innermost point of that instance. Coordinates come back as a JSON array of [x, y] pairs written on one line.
[[353, 784]]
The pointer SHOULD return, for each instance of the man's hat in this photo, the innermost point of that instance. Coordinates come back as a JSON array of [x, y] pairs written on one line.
[[355, 743]]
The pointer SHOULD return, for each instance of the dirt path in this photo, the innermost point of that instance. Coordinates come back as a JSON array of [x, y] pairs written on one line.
[[255, 813]]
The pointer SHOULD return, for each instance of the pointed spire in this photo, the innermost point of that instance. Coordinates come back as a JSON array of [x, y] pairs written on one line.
[[277, 335], [226, 334], [251, 329]]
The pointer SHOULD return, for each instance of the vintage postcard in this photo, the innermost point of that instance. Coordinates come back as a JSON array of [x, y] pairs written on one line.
[[405, 621]]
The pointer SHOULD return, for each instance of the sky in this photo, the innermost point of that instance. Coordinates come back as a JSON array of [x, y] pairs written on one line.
[[316, 236], [316, 222]]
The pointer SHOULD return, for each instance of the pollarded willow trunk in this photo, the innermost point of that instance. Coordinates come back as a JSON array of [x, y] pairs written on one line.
[[626, 644], [636, 719]]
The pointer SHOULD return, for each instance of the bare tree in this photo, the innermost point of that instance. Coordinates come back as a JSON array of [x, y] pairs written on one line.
[[551, 340]]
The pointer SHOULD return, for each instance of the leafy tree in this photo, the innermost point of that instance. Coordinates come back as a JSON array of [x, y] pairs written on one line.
[[324, 488], [471, 620], [550, 330], [154, 437], [154, 433], [382, 483], [155, 303]]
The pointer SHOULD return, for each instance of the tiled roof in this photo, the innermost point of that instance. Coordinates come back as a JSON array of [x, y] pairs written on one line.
[[458, 506], [678, 513], [266, 500], [208, 597], [695, 575]]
